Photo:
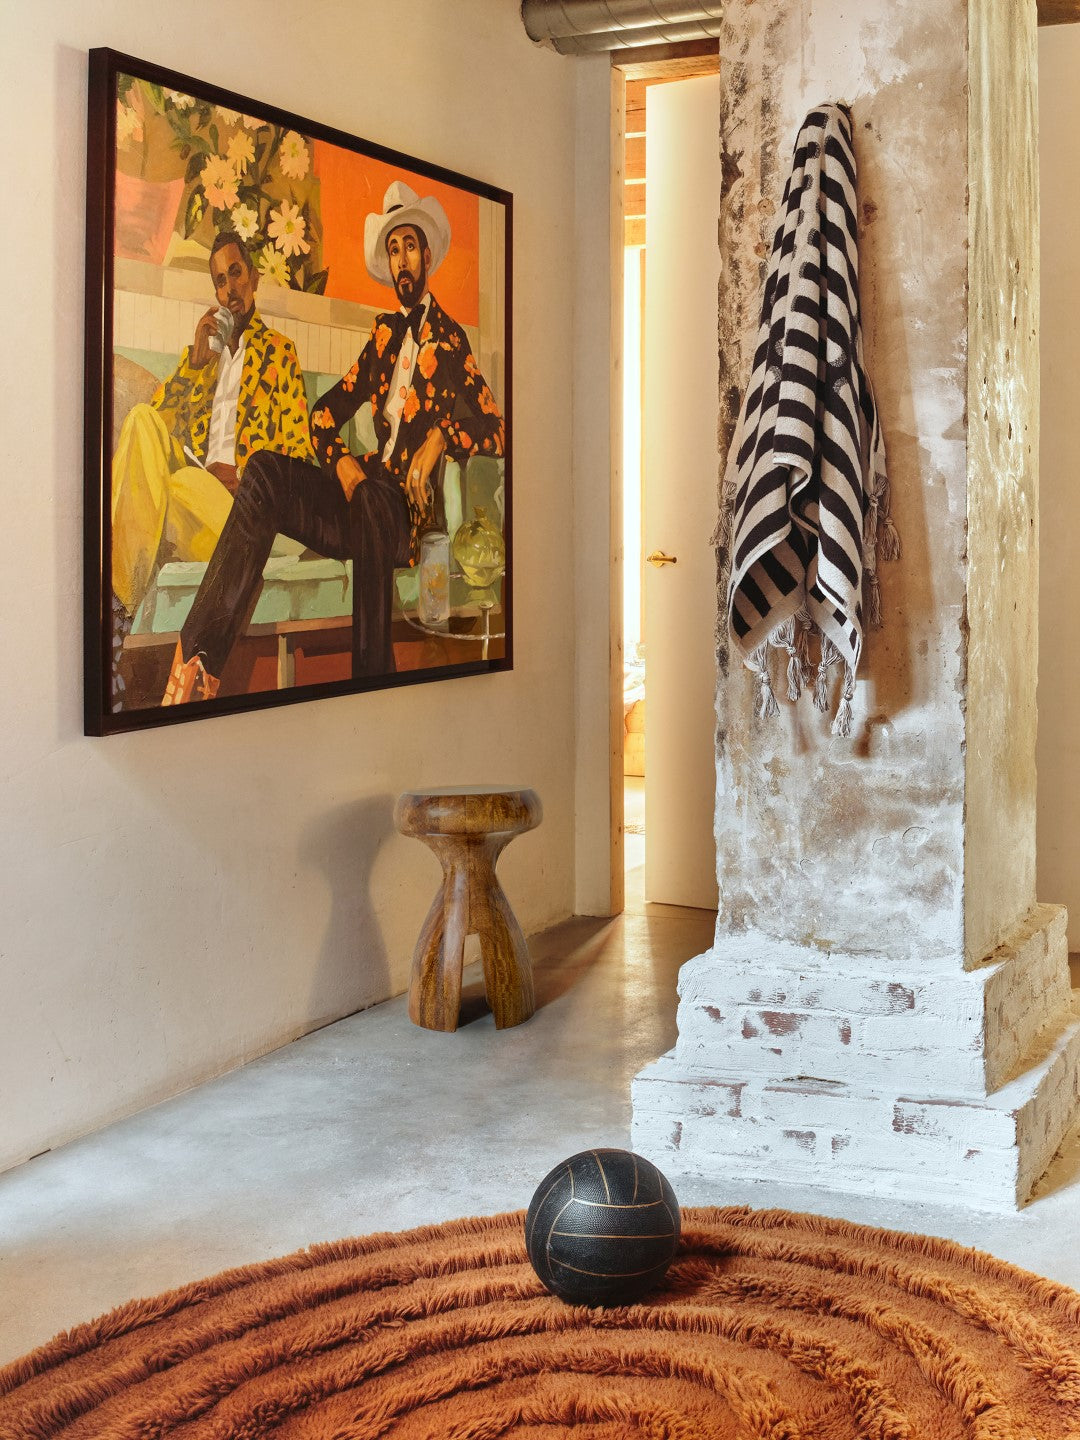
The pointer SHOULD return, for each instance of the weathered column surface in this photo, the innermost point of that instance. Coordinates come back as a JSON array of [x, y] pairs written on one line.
[[885, 1006]]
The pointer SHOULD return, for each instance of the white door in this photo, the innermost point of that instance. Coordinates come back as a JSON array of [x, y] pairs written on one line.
[[681, 411]]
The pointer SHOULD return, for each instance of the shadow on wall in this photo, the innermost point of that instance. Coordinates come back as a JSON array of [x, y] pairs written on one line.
[[352, 959], [906, 607], [60, 450], [907, 603]]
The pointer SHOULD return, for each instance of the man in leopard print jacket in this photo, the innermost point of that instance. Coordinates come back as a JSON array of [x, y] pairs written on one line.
[[179, 460]]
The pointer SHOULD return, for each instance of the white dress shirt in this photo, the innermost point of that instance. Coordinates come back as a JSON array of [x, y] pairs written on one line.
[[402, 379], [221, 442]]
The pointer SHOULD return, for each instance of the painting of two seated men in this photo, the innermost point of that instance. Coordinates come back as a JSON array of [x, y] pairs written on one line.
[[306, 484]]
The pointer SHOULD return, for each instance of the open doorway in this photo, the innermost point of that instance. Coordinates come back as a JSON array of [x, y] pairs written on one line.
[[668, 582], [633, 618]]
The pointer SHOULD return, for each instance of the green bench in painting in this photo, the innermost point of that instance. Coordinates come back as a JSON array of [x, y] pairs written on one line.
[[303, 593]]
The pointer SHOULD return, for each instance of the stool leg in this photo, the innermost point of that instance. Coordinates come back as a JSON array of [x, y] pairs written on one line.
[[508, 977], [435, 987]]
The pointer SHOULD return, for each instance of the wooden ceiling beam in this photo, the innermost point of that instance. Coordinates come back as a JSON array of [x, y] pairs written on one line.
[[635, 108], [635, 158], [669, 62], [1059, 12], [634, 200]]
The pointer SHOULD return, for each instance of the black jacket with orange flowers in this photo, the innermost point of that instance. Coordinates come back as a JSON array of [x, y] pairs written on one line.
[[447, 390]]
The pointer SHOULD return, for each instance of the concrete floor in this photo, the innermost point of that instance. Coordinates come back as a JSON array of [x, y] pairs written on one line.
[[373, 1124]]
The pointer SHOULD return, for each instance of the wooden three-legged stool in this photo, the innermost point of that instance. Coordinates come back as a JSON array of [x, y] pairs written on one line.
[[468, 828]]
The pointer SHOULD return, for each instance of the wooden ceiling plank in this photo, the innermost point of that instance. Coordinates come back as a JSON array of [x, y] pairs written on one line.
[[634, 231], [656, 62], [1059, 12]]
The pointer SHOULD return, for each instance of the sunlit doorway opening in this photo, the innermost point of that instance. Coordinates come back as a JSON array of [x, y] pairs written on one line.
[[643, 526]]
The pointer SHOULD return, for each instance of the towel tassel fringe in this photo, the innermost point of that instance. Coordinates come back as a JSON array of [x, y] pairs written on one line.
[[842, 724], [758, 662]]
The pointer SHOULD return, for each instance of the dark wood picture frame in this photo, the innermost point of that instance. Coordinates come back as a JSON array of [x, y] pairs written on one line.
[[172, 163]]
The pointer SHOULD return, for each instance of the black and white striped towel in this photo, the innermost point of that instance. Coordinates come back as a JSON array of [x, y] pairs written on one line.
[[806, 468]]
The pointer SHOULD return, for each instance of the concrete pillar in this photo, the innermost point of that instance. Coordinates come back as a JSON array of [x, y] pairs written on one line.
[[886, 1007]]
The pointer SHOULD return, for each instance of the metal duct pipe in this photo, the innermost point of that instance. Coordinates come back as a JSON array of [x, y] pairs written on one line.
[[555, 19], [626, 41], [577, 27]]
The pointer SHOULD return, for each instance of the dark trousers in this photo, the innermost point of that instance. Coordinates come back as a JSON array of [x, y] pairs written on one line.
[[307, 504]]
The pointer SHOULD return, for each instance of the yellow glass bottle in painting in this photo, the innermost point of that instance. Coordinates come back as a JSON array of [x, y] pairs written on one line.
[[480, 551]]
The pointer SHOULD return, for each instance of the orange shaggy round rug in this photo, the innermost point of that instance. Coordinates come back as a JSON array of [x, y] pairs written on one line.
[[770, 1325]]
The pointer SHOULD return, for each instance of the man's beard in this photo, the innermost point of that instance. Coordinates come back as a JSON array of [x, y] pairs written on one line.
[[409, 289], [241, 322]]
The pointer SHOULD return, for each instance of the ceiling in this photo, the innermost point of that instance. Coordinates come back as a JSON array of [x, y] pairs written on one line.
[[588, 27]]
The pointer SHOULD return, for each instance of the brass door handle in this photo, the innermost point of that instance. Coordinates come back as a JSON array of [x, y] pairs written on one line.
[[658, 558]]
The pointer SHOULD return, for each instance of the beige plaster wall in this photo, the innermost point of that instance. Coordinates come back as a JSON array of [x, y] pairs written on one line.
[[1003, 472], [1058, 748], [858, 844], [593, 525], [175, 902]]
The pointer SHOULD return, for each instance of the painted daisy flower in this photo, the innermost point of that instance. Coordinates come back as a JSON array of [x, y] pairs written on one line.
[[245, 221], [219, 182], [228, 117], [241, 150], [179, 99], [273, 269], [252, 122], [286, 229], [295, 160]]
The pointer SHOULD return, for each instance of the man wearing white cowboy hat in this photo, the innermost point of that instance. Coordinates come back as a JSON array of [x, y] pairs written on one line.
[[428, 398]]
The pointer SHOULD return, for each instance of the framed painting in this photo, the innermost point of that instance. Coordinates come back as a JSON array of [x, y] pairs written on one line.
[[297, 442]]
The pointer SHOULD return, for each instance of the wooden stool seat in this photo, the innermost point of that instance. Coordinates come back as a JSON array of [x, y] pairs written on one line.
[[468, 828]]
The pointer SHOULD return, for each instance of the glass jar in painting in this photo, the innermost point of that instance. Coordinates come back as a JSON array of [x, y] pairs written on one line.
[[433, 606]]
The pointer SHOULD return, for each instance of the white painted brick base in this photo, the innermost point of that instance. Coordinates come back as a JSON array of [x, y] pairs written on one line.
[[805, 1067]]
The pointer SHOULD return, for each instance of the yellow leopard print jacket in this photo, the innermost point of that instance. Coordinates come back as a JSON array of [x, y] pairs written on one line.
[[271, 411]]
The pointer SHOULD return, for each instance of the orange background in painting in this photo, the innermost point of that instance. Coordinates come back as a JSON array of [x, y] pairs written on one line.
[[351, 187]]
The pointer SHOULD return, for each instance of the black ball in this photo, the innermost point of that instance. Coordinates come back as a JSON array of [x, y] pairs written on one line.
[[603, 1227]]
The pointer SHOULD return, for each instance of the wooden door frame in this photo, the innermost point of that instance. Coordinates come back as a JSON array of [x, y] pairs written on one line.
[[651, 63]]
